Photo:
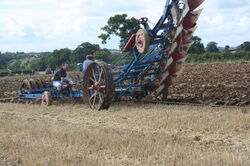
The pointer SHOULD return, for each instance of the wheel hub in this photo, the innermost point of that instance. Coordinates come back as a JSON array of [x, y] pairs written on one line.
[[97, 87]]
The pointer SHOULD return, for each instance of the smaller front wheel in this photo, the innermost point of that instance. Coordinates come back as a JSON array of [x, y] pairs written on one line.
[[46, 99], [98, 86]]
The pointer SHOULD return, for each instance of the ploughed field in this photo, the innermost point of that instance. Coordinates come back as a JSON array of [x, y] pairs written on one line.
[[214, 84], [126, 134]]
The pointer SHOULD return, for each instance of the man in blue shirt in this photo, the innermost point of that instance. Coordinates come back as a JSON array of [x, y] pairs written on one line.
[[86, 63]]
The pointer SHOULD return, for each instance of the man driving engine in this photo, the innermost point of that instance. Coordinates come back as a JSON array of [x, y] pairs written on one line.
[[61, 80]]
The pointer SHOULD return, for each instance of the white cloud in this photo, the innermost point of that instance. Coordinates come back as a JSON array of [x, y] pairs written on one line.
[[40, 25]]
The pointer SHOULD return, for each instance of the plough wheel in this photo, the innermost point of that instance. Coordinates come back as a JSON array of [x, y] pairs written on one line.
[[46, 99], [39, 83], [44, 83], [33, 84], [25, 85], [142, 41], [98, 86]]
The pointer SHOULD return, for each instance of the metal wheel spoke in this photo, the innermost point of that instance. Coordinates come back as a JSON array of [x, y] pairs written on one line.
[[93, 95], [100, 99], [103, 86], [92, 79], [93, 72], [100, 76], [90, 88], [94, 100]]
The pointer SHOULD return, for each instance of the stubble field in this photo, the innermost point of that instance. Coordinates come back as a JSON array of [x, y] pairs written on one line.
[[127, 134]]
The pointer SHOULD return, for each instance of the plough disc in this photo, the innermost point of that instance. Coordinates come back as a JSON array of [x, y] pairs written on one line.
[[25, 85], [33, 84], [39, 83]]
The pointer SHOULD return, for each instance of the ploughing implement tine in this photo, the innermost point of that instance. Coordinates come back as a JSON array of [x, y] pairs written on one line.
[[184, 11], [186, 47], [164, 77], [177, 55], [160, 90], [188, 35], [193, 4], [175, 67], [163, 87], [191, 31], [178, 31], [191, 19], [169, 62], [180, 54]]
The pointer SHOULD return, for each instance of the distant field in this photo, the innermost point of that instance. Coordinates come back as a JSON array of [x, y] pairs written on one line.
[[127, 134]]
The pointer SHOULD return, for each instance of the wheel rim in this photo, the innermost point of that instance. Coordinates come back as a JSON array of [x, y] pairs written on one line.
[[98, 85], [25, 85], [142, 41], [45, 100], [39, 83], [33, 84]]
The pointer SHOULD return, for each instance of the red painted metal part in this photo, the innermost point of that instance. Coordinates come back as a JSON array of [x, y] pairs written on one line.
[[176, 56], [168, 83], [130, 44], [190, 21], [193, 4], [189, 34], [172, 69]]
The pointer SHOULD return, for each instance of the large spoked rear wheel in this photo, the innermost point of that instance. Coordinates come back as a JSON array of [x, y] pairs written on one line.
[[98, 86]]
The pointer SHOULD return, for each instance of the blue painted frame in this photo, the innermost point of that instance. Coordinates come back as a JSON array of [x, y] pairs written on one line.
[[137, 69]]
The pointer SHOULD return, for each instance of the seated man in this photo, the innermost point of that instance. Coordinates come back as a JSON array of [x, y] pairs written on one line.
[[86, 63], [60, 79]]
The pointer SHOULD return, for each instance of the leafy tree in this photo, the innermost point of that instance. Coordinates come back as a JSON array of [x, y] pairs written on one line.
[[4, 60], [42, 64], [57, 57], [39, 64], [80, 53], [34, 65], [197, 47], [212, 47], [15, 65], [103, 55], [119, 25], [245, 46], [227, 47]]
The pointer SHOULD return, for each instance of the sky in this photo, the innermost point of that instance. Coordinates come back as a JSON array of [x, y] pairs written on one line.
[[45, 25]]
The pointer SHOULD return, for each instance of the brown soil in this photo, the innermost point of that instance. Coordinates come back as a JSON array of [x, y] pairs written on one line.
[[219, 84], [10, 85], [215, 84]]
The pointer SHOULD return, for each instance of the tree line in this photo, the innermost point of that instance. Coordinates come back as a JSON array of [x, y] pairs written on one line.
[[212, 53]]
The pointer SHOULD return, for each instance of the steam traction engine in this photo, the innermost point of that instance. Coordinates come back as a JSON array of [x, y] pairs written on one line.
[[158, 56]]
